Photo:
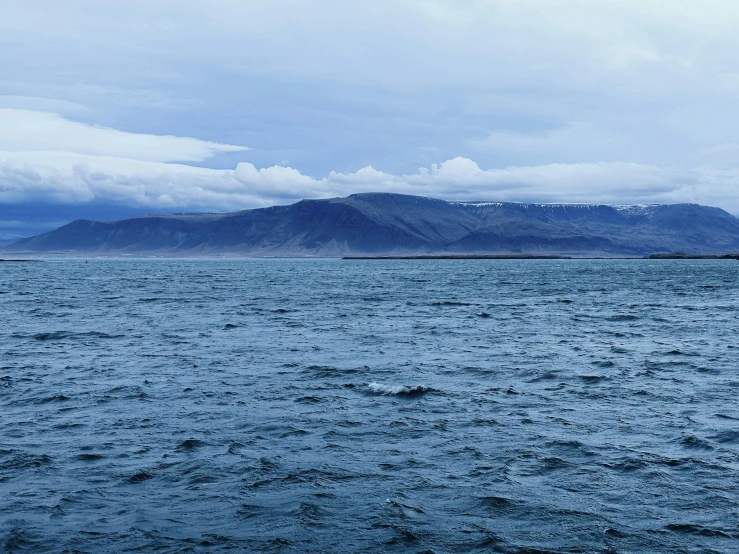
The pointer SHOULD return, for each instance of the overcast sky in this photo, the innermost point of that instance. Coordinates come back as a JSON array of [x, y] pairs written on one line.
[[228, 104]]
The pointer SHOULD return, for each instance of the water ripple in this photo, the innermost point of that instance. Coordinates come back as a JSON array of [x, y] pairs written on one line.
[[398, 406]]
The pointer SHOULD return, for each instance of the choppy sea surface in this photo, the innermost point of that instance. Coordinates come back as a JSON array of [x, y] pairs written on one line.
[[369, 406]]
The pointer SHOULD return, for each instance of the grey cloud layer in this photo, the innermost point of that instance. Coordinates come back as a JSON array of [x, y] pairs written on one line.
[[73, 178], [26, 130], [573, 100]]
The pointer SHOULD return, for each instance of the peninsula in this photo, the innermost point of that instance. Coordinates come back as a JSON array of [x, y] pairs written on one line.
[[383, 224]]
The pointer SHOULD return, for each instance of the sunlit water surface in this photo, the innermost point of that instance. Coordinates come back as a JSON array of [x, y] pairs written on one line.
[[369, 406]]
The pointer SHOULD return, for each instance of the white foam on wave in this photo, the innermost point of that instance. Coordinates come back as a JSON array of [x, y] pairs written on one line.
[[397, 390]]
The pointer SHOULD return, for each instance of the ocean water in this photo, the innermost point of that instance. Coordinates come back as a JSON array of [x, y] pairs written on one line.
[[369, 406]]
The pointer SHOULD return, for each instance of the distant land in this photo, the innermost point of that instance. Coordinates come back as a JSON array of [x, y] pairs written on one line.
[[382, 224]]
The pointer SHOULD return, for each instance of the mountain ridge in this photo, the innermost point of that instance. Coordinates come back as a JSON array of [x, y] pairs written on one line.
[[396, 224]]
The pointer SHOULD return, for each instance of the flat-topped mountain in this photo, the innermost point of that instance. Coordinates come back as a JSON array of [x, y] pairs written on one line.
[[396, 224]]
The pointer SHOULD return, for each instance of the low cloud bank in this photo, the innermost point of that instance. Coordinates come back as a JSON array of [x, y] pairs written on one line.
[[45, 158], [34, 131], [77, 178]]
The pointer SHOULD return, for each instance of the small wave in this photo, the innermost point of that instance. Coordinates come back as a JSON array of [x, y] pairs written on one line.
[[54, 398], [328, 371], [309, 400], [18, 540], [279, 543], [399, 390], [87, 457], [690, 529], [626, 465], [552, 463], [593, 379], [57, 335], [622, 317], [139, 477], [310, 512], [248, 511], [293, 432], [61, 335], [190, 444], [726, 437], [25, 460], [497, 503], [678, 352], [691, 441], [546, 376], [404, 507], [566, 444]]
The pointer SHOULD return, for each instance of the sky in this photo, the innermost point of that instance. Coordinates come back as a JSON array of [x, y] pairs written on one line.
[[110, 109]]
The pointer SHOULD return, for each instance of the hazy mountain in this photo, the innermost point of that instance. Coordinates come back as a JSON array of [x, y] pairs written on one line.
[[378, 223], [19, 221]]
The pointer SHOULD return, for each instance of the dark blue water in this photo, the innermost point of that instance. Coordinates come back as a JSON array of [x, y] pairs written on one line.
[[350, 406]]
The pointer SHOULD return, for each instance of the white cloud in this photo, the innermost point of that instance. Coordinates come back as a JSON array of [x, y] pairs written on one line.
[[79, 178], [645, 45], [28, 131], [647, 81], [434, 41], [45, 157]]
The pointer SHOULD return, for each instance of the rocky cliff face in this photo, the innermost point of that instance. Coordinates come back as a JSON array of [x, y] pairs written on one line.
[[400, 224]]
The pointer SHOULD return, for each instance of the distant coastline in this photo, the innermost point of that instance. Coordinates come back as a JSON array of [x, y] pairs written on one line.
[[682, 256], [660, 256], [396, 226], [141, 256], [464, 257]]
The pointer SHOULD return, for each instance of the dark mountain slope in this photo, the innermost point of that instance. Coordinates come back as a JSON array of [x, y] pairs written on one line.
[[378, 223], [309, 225], [428, 219]]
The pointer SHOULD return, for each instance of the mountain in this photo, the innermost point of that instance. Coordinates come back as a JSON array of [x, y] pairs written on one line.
[[380, 223]]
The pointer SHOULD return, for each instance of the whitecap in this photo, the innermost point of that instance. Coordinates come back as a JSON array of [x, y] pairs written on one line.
[[398, 390]]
